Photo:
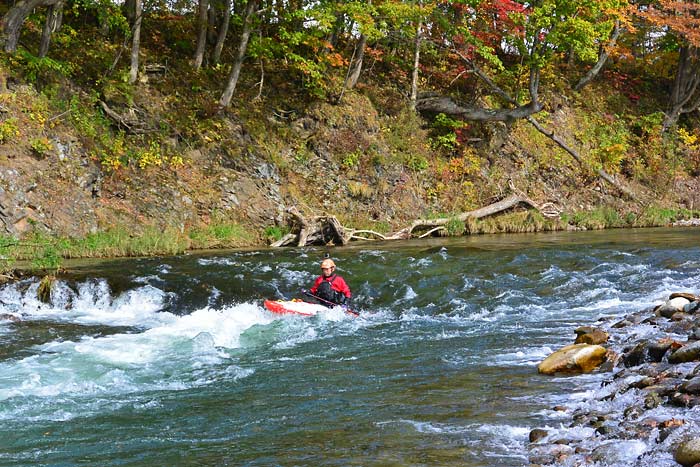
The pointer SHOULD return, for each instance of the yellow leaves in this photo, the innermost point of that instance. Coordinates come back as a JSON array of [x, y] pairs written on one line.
[[690, 140], [149, 157], [176, 161], [38, 118], [9, 130]]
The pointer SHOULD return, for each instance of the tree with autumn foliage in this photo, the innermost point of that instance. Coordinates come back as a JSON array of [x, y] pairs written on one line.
[[679, 21], [505, 44]]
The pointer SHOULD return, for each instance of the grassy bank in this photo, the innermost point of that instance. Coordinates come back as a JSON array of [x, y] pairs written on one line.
[[43, 252]]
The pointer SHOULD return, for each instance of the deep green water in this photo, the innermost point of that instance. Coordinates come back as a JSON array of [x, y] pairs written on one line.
[[174, 362]]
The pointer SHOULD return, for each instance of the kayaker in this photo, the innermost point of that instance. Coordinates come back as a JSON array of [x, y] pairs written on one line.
[[329, 286]]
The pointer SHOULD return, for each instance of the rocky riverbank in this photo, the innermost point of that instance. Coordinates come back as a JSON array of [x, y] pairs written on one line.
[[647, 411]]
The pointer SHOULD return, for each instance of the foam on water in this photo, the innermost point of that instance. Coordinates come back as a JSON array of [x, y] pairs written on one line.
[[525, 357], [90, 304], [65, 379]]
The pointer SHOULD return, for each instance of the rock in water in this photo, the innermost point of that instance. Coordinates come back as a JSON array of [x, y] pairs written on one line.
[[576, 358], [688, 452]]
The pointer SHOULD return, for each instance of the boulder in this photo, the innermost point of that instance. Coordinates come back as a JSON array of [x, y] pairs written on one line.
[[590, 335], [672, 306], [537, 434], [692, 386], [688, 452], [687, 295], [687, 353], [573, 359]]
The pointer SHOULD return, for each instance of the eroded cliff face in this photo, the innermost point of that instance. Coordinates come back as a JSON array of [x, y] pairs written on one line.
[[65, 189], [369, 169]]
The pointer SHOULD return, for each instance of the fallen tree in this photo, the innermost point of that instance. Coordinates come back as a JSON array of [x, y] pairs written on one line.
[[324, 230]]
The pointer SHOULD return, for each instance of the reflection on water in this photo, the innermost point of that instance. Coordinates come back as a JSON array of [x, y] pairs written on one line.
[[173, 361]]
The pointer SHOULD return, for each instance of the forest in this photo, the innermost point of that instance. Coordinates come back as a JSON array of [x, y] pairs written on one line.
[[592, 103]]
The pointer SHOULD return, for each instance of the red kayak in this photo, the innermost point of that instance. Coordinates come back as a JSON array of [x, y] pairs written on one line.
[[297, 307]]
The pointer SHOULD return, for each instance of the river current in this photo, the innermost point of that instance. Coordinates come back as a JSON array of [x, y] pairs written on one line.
[[174, 362]]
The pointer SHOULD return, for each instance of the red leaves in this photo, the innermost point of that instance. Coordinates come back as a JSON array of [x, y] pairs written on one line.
[[680, 16]]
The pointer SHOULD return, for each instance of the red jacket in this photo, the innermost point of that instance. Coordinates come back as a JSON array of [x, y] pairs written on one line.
[[338, 284]]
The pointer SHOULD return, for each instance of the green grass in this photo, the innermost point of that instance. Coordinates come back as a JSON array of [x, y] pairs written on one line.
[[654, 216], [45, 252], [514, 222]]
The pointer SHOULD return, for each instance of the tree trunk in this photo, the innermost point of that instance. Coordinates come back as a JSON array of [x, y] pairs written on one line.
[[225, 100], [202, 24], [602, 58], [223, 31], [356, 65], [136, 41], [11, 23], [448, 106], [54, 15], [416, 64], [685, 85]]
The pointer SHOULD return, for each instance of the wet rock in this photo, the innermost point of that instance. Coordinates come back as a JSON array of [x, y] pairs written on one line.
[[691, 386], [652, 400], [658, 349], [622, 324], [688, 452], [606, 429], [633, 411], [618, 452], [672, 306], [576, 358], [680, 399], [667, 427], [687, 353], [680, 316], [692, 307], [687, 295], [549, 454], [643, 383], [593, 418], [612, 360], [590, 335], [694, 334], [645, 352], [637, 355], [653, 320], [665, 387], [537, 434]]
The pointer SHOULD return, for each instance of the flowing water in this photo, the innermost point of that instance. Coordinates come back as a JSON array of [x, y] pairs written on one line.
[[174, 362]]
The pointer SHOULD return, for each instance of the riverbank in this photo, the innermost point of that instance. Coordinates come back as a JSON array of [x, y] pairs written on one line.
[[645, 408], [45, 252]]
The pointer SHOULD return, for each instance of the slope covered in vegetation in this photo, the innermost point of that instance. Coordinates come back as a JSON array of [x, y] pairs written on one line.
[[146, 129]]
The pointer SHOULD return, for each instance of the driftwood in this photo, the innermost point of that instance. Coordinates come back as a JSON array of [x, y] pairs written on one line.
[[326, 230], [316, 230]]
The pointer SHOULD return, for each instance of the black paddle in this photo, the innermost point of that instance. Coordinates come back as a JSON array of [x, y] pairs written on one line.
[[328, 302]]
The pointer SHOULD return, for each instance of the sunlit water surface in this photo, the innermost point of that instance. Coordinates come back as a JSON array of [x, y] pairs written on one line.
[[173, 361]]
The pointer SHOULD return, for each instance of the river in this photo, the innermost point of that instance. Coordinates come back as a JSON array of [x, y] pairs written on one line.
[[174, 362]]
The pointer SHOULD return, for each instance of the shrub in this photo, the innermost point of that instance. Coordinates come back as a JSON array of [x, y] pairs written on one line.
[[8, 130], [41, 147]]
